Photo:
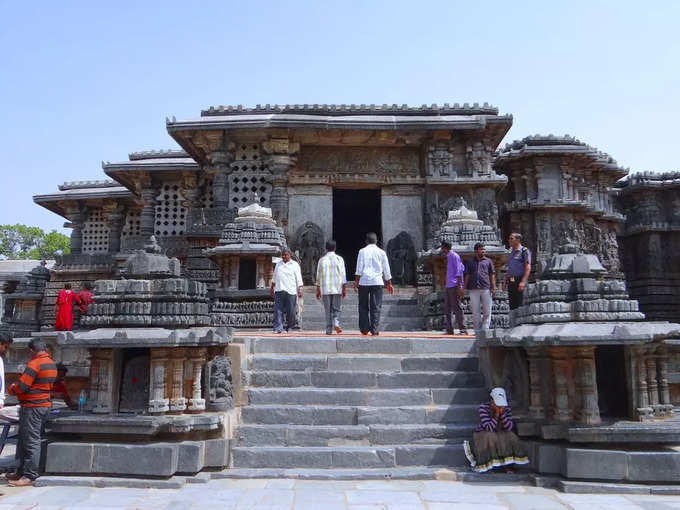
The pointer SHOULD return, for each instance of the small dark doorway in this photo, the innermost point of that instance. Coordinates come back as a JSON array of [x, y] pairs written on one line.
[[247, 274], [134, 381], [355, 213], [610, 365]]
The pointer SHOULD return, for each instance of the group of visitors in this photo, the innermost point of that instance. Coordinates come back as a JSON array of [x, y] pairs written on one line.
[[64, 305], [371, 276], [478, 277]]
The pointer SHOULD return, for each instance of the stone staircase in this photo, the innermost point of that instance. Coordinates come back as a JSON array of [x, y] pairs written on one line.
[[400, 311], [341, 402]]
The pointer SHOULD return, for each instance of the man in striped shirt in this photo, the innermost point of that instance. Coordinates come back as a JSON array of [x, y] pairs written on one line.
[[330, 286], [33, 392]]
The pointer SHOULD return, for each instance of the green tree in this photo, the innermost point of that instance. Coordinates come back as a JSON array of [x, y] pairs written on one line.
[[24, 242]]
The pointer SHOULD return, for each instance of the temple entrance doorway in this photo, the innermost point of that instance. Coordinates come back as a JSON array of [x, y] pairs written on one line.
[[355, 213]]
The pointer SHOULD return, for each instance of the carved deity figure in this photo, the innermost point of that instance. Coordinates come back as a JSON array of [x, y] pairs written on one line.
[[402, 257], [308, 243], [218, 372], [479, 159]]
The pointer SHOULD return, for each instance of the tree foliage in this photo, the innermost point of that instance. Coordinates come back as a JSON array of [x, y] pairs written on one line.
[[24, 242]]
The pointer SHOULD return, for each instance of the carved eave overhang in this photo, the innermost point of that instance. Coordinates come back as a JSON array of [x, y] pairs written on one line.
[[201, 136], [572, 152], [559, 203], [72, 195], [128, 173], [634, 183]]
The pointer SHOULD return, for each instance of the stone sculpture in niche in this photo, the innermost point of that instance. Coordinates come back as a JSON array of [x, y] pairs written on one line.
[[219, 384], [401, 253], [309, 243]]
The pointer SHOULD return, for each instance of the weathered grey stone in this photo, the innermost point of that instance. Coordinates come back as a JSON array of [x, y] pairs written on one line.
[[70, 458], [216, 453], [431, 455], [358, 397], [280, 378], [327, 435], [374, 345], [420, 433], [261, 435], [361, 363], [363, 457], [300, 415], [596, 464], [429, 380], [344, 379], [390, 415], [176, 482], [550, 458], [255, 457], [440, 363], [459, 396], [656, 466], [263, 362], [579, 487], [293, 345], [158, 459], [191, 455]]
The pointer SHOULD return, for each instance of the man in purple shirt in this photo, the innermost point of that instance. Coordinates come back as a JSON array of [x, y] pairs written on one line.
[[454, 289]]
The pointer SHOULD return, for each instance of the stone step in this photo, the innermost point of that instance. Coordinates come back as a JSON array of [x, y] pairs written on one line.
[[366, 397], [363, 362], [350, 435], [386, 324], [348, 457], [349, 415], [353, 379], [376, 345]]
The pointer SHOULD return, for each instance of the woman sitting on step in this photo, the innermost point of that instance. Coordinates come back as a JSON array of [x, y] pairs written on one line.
[[494, 444]]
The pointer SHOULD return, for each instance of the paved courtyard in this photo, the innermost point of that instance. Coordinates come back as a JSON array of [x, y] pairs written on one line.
[[327, 495]]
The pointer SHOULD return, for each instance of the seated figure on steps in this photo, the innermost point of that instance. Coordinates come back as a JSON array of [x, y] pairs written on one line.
[[494, 443]]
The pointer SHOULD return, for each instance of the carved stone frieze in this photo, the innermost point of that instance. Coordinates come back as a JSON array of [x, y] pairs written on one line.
[[360, 160]]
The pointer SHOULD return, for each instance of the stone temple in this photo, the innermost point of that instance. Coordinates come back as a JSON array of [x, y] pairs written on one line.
[[179, 247]]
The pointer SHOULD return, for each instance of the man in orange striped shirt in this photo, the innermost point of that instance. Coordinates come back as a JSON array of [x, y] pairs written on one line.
[[33, 392]]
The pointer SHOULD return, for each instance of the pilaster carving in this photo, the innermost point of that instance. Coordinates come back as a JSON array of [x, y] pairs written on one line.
[[177, 401], [586, 384], [115, 218], [148, 214], [101, 375], [561, 408], [281, 157], [158, 401], [77, 215], [196, 403], [536, 358]]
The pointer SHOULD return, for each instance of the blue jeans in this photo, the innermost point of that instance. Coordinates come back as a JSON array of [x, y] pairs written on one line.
[[284, 310]]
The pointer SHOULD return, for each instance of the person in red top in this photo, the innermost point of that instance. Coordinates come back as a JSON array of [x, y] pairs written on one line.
[[64, 308], [33, 391], [59, 390], [86, 298]]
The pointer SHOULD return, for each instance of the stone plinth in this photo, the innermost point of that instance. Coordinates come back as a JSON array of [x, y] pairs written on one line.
[[581, 340]]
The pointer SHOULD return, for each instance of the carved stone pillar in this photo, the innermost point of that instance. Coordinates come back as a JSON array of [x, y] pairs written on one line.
[[269, 272], [643, 409], [281, 157], [196, 403], [103, 371], [220, 169], [536, 409], [233, 273], [147, 217], [561, 410], [585, 379], [77, 217], [664, 391], [177, 401], [115, 219], [652, 385], [225, 273], [158, 403], [260, 271]]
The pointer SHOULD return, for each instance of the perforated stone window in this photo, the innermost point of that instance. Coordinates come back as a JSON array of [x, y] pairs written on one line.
[[132, 225], [249, 177], [170, 214], [96, 233], [207, 197]]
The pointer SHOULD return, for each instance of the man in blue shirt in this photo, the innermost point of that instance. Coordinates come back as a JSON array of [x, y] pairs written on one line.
[[519, 267], [454, 290]]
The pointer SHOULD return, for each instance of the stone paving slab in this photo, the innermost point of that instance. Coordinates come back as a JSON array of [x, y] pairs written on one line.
[[295, 494]]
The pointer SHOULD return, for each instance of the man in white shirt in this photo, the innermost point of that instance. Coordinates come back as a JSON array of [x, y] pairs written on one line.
[[330, 285], [285, 289], [373, 271], [5, 341]]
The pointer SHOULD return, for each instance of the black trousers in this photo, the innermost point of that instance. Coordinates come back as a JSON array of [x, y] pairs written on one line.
[[31, 423], [370, 303], [515, 296]]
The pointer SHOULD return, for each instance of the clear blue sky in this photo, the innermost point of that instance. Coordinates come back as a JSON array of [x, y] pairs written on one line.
[[82, 82]]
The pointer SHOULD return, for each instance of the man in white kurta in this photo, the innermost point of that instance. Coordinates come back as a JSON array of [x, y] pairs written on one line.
[[330, 286], [286, 288], [372, 273]]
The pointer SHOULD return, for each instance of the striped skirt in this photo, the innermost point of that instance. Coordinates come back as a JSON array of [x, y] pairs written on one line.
[[494, 449]]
